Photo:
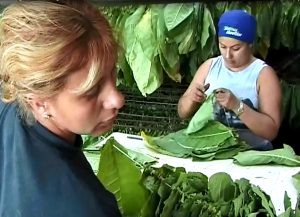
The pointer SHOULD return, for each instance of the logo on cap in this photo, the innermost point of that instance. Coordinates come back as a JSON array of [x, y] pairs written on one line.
[[232, 31]]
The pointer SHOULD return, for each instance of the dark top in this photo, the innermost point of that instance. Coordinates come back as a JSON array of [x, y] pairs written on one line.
[[42, 175]]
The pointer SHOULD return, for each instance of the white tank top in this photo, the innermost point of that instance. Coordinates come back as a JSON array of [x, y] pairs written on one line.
[[243, 86]]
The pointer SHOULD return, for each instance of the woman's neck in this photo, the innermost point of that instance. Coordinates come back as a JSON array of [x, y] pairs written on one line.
[[51, 126], [247, 63]]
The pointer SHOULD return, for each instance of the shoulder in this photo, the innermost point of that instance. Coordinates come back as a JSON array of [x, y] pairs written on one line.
[[268, 76], [203, 70], [269, 82], [7, 109], [8, 115], [44, 179], [2, 106]]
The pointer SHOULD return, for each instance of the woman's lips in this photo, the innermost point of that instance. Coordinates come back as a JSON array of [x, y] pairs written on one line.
[[108, 121]]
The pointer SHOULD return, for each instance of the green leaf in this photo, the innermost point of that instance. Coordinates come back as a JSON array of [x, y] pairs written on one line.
[[210, 138], [147, 73], [127, 72], [188, 44], [221, 187], [93, 158], [145, 35], [284, 156], [175, 14], [168, 52], [208, 37], [206, 22], [166, 145], [119, 175], [296, 181], [202, 116], [287, 201], [141, 158], [213, 137], [265, 200]]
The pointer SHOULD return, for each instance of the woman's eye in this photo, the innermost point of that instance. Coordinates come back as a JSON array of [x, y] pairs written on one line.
[[93, 93]]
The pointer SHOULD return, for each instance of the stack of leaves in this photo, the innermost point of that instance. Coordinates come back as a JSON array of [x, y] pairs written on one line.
[[204, 139], [175, 193]]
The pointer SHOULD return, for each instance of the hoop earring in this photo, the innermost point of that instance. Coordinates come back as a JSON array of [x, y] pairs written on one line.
[[46, 116]]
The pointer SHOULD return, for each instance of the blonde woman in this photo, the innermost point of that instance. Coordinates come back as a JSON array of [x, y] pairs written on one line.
[[57, 82]]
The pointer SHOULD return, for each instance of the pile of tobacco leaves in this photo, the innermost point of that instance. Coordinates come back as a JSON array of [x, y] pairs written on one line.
[[203, 139], [177, 193]]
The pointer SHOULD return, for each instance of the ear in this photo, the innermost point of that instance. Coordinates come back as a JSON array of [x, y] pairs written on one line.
[[38, 105]]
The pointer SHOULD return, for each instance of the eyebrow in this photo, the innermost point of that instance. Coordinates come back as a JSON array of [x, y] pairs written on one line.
[[230, 46]]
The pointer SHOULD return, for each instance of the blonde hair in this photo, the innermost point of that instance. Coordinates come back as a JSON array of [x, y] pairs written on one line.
[[42, 43]]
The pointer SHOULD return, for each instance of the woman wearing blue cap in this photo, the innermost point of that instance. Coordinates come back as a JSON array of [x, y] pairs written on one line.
[[247, 90]]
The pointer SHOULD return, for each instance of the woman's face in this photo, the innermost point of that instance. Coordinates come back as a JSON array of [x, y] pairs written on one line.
[[93, 113], [235, 53]]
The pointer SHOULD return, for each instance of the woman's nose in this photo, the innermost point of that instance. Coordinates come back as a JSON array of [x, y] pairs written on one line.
[[228, 55], [115, 100]]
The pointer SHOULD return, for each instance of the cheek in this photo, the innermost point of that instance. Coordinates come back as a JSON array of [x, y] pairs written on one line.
[[69, 114], [239, 55], [222, 51], [89, 111]]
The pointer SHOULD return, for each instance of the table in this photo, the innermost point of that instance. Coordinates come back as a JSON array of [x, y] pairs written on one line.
[[273, 179]]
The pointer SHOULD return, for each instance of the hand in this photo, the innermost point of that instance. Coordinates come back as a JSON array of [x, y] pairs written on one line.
[[227, 99], [197, 93]]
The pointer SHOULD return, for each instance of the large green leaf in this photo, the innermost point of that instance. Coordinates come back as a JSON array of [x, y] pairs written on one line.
[[147, 73], [174, 14], [168, 52], [202, 116], [285, 156], [126, 70], [145, 35], [119, 174], [208, 42], [188, 44], [206, 22], [221, 187], [213, 137], [265, 200]]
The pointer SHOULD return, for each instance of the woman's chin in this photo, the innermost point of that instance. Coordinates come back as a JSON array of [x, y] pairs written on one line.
[[99, 131]]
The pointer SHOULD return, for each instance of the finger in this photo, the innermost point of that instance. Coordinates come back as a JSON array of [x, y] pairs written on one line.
[[198, 93], [198, 98], [200, 88]]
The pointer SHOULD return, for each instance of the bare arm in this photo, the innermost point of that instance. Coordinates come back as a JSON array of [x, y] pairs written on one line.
[[266, 122], [186, 106]]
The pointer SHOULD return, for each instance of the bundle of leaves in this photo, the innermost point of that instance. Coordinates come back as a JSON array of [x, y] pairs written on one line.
[[204, 139], [176, 193]]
